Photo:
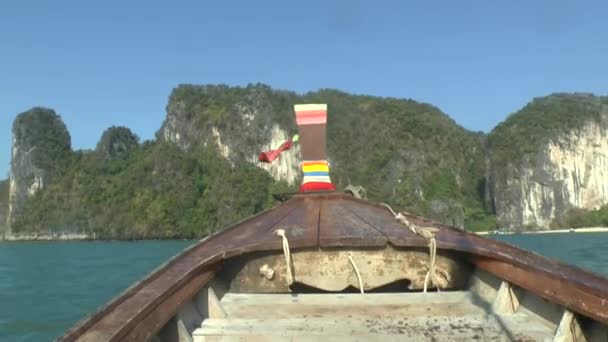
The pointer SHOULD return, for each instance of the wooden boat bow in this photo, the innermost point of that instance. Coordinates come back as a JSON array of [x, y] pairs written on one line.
[[332, 222]]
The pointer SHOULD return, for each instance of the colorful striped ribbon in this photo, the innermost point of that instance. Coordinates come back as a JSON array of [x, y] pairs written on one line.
[[311, 119]]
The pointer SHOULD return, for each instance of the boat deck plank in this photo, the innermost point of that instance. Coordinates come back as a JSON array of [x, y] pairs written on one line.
[[338, 227], [389, 305], [404, 316], [301, 226], [415, 328], [396, 298]]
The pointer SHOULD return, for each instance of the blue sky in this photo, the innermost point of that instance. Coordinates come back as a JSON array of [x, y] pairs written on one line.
[[113, 62]]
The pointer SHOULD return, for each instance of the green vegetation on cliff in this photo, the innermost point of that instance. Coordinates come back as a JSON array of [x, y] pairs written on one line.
[[116, 142], [405, 153], [4, 198], [520, 161], [41, 152], [42, 132], [213, 105], [540, 121], [154, 191], [579, 218]]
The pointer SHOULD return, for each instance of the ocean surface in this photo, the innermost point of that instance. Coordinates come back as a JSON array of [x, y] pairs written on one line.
[[45, 287]]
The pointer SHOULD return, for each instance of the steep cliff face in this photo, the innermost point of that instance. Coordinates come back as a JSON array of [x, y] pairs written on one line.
[[565, 167], [3, 206], [528, 173], [392, 147], [41, 149], [238, 122]]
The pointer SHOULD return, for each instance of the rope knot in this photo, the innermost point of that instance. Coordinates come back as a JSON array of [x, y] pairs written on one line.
[[431, 275], [267, 272]]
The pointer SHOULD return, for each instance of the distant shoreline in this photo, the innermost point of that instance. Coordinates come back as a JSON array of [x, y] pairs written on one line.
[[88, 237], [77, 237], [47, 237], [552, 231]]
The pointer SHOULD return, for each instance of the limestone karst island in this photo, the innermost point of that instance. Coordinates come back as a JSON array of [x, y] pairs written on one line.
[[543, 168]]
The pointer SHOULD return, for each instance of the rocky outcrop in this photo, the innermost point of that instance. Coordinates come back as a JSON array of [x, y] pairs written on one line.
[[383, 144], [116, 141], [41, 149], [448, 212], [238, 122], [569, 173], [286, 167], [4, 191], [530, 171], [568, 170]]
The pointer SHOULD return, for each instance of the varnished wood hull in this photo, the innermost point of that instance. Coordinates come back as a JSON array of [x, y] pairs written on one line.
[[327, 226]]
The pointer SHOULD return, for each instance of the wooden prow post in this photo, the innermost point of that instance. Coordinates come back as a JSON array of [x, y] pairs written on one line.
[[312, 120]]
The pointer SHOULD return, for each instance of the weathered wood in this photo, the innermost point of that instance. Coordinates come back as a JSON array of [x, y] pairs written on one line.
[[215, 308], [484, 286], [173, 331], [303, 338], [393, 305], [339, 227], [201, 299], [331, 270], [444, 316], [150, 324], [580, 291], [301, 226], [507, 299], [191, 314], [383, 221], [420, 328], [347, 299], [181, 326], [132, 303], [569, 330], [567, 294], [182, 332], [144, 321], [549, 313]]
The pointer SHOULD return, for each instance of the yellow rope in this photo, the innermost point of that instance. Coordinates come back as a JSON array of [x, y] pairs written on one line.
[[287, 253], [352, 262], [431, 275]]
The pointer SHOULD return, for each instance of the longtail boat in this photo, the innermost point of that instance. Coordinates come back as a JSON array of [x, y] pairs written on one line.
[[325, 265]]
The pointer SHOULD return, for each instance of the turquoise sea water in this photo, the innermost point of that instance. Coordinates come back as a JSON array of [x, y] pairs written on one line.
[[585, 250], [45, 287]]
